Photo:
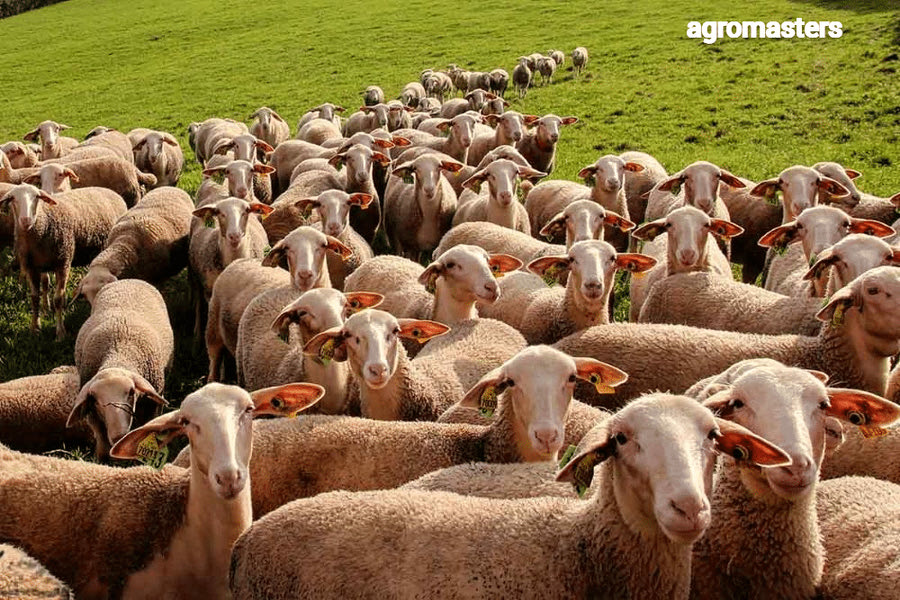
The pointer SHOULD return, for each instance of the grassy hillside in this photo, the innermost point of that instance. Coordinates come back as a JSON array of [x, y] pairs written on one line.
[[752, 106]]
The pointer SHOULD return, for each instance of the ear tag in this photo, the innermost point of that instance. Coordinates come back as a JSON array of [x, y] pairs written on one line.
[[339, 166], [408, 179], [675, 189], [633, 269], [873, 432], [209, 222], [838, 318], [774, 198], [584, 473], [487, 402], [495, 270], [326, 352], [551, 274], [812, 260], [601, 387], [267, 250], [476, 187], [520, 194], [590, 180], [151, 452], [567, 456], [780, 249]]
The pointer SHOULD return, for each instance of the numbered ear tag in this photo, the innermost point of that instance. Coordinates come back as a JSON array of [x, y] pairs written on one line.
[[584, 473], [209, 222], [151, 452], [598, 384], [838, 318], [279, 405], [552, 273], [487, 402], [326, 352], [633, 269], [873, 432], [567, 456], [675, 189], [408, 179]]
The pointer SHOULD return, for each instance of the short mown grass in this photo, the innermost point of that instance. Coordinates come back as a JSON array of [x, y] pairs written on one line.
[[751, 106]]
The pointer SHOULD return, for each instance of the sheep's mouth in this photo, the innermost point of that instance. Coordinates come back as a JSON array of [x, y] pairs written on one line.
[[791, 491], [683, 535]]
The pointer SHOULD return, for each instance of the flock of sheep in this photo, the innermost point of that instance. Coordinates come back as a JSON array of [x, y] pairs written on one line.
[[443, 453]]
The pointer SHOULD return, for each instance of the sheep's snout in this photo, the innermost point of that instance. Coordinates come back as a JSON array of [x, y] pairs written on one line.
[[686, 518], [794, 480], [490, 292], [304, 279], [26, 222], [546, 439], [377, 374], [592, 289], [229, 481], [687, 256]]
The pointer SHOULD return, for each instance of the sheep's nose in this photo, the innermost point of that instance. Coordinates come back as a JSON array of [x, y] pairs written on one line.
[[517, 136], [491, 290], [377, 372], [234, 238], [361, 177], [554, 137], [428, 191], [546, 437], [613, 183], [334, 229], [465, 140], [691, 508], [231, 481], [688, 257]]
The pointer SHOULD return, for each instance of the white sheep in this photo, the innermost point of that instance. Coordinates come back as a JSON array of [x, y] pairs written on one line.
[[538, 145], [579, 59], [53, 145], [373, 95], [269, 126], [109, 172], [860, 204], [509, 129], [20, 155], [209, 133], [498, 204], [546, 66], [696, 185], [159, 153]]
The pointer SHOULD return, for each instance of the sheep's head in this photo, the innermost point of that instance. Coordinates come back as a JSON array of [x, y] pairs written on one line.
[[302, 254], [468, 274], [231, 215], [24, 202], [688, 230], [333, 208], [800, 187], [583, 220], [320, 309]]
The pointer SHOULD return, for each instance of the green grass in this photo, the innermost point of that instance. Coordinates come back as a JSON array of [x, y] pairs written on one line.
[[752, 106]]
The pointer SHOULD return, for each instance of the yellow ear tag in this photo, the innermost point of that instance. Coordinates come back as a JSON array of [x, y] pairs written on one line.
[[151, 453], [487, 402], [476, 187], [552, 273], [838, 318], [584, 473], [567, 456], [495, 270], [675, 189], [725, 238], [326, 352], [601, 387], [872, 432], [209, 222]]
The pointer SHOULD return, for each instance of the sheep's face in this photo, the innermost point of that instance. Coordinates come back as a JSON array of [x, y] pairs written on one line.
[[584, 221], [314, 312], [844, 177], [476, 99], [688, 233], [800, 186], [467, 274], [305, 250], [609, 173], [856, 254], [396, 111], [48, 132], [875, 298], [592, 266], [462, 129], [114, 395], [381, 112], [232, 215], [511, 124], [372, 341], [547, 128], [239, 176], [93, 281], [701, 185], [502, 177], [56, 178], [358, 160], [24, 201], [819, 227]]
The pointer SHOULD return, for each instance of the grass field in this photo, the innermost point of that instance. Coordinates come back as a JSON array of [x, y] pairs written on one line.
[[752, 106]]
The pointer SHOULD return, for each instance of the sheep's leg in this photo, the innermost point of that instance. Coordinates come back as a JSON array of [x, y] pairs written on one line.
[[59, 300], [214, 348], [34, 285]]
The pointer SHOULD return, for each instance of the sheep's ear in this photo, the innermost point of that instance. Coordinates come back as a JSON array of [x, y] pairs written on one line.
[[81, 406], [306, 206], [852, 173], [649, 231], [568, 120], [339, 109], [60, 126], [635, 263], [502, 264], [328, 345], [385, 144], [337, 247], [829, 185], [164, 429], [357, 301], [144, 387], [668, 184], [743, 445], [401, 141], [588, 172], [718, 400], [277, 256], [223, 147], [602, 376], [529, 173], [263, 169], [781, 236], [549, 268], [825, 259], [213, 171], [32, 135], [169, 139], [530, 119], [46, 197], [360, 199], [555, 227], [505, 104], [491, 119], [337, 161], [451, 165], [895, 256], [844, 298], [404, 172], [579, 470], [823, 377], [366, 109], [766, 189], [634, 167], [140, 145], [205, 213], [421, 330], [71, 175], [730, 180], [429, 276], [615, 220], [861, 408], [285, 400], [483, 395], [444, 125], [382, 159], [869, 227], [724, 230], [474, 182], [282, 323], [260, 208], [33, 179]]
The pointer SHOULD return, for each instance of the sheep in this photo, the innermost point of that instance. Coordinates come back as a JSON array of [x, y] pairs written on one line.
[[816, 229], [53, 145], [800, 187], [419, 203], [210, 132], [373, 95], [546, 66], [148, 242], [601, 540], [860, 205], [23, 577], [395, 388], [478, 80], [437, 85], [473, 100], [69, 231], [538, 145], [108, 172], [187, 519], [460, 78], [558, 57], [579, 59], [858, 522], [544, 315], [411, 94], [508, 131], [158, 152], [287, 156], [318, 131], [686, 247], [323, 111], [241, 147], [861, 331], [459, 132], [499, 204], [700, 183], [33, 412], [497, 106], [268, 353], [398, 115], [773, 510], [446, 291], [605, 180], [367, 119], [20, 155], [496, 239], [499, 82], [269, 126], [228, 232], [240, 182], [521, 77], [116, 142]]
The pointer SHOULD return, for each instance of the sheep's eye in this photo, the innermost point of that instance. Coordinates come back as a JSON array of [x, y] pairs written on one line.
[[621, 438], [572, 378], [248, 410], [872, 291], [668, 226], [450, 265], [510, 383], [846, 224], [736, 403], [356, 339], [713, 434], [824, 404]]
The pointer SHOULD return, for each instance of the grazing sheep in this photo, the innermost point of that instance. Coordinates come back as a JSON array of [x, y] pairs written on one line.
[[122, 350], [373, 95], [604, 178], [55, 233], [23, 577], [509, 128], [411, 94], [560, 548], [861, 332], [148, 242], [158, 153], [161, 534], [545, 315], [34, 410], [546, 66], [579, 59], [773, 510], [269, 126], [20, 155], [558, 57], [538, 145], [860, 205], [53, 145], [498, 204], [699, 183], [115, 142], [521, 77], [419, 204], [446, 291], [686, 247], [395, 388], [318, 131], [108, 172], [210, 132]]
